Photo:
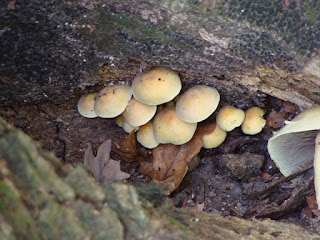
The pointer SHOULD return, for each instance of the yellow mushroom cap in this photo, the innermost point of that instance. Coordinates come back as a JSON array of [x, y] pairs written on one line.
[[138, 114], [229, 117], [86, 105], [128, 128], [112, 101], [156, 86], [214, 139], [145, 136], [197, 103], [120, 120], [253, 122], [169, 128]]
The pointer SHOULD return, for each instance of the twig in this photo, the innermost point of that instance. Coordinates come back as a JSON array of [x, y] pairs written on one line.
[[275, 184]]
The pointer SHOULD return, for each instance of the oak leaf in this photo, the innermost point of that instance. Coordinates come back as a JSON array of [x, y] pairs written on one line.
[[103, 168], [170, 162], [127, 149]]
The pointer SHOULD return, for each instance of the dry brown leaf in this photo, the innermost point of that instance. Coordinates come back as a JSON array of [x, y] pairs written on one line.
[[127, 149], [103, 168], [170, 162], [275, 119]]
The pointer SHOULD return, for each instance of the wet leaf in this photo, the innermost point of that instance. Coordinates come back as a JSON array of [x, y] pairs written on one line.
[[103, 168]]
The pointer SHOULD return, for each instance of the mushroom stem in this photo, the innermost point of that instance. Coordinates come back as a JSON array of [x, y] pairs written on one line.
[[316, 166]]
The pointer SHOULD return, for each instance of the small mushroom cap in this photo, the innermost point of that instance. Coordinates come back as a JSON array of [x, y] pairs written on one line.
[[138, 114], [86, 105], [214, 139], [128, 128], [169, 128], [293, 146], [112, 101], [229, 117], [253, 122], [145, 136], [197, 103], [120, 120], [156, 86]]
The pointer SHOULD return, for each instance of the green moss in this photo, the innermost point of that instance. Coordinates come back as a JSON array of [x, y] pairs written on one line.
[[312, 14], [15, 213], [103, 224], [59, 222], [178, 224], [84, 185]]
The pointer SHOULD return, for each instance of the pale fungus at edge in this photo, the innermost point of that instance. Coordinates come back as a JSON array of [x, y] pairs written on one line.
[[229, 117], [86, 105], [156, 86], [297, 144], [197, 103], [112, 101]]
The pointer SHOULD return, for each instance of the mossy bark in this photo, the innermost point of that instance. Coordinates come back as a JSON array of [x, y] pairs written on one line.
[[237, 46], [42, 198]]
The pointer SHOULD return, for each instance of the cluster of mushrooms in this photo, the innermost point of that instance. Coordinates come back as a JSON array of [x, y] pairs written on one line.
[[160, 115]]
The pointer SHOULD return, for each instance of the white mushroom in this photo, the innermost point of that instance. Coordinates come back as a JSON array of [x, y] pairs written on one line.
[[297, 144]]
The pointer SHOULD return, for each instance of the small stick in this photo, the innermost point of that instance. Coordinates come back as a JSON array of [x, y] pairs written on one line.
[[275, 184]]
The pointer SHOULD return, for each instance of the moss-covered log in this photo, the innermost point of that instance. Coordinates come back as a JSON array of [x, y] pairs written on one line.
[[42, 198], [49, 49]]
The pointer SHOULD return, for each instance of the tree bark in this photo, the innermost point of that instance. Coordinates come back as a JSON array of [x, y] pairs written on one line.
[[239, 47], [51, 52]]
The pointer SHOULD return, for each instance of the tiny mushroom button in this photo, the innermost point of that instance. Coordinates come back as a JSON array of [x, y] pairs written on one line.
[[229, 117], [197, 103], [253, 122], [214, 139]]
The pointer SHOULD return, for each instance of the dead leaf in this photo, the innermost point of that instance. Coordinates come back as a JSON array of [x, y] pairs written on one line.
[[289, 107], [275, 119], [170, 162], [103, 168], [127, 149]]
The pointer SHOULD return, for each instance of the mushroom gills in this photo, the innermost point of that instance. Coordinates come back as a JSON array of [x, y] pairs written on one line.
[[292, 151]]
